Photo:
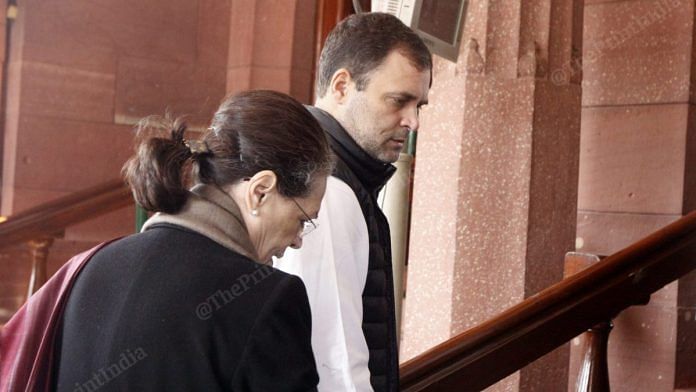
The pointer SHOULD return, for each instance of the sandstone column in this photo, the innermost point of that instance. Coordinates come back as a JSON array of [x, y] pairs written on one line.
[[496, 176], [272, 46]]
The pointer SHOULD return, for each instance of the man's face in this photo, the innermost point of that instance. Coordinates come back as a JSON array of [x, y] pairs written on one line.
[[380, 116]]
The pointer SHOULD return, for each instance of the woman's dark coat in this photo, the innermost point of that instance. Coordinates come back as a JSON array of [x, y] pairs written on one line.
[[171, 310]]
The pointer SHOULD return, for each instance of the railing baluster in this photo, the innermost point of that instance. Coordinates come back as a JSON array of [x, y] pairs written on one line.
[[594, 370], [39, 255]]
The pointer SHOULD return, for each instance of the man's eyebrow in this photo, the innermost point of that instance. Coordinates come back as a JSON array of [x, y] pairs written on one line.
[[407, 96]]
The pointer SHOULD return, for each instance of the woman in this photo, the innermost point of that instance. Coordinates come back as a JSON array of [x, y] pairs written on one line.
[[190, 303]]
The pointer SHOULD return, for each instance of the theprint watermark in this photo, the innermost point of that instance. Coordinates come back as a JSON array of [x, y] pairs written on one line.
[[220, 298], [563, 75], [103, 376]]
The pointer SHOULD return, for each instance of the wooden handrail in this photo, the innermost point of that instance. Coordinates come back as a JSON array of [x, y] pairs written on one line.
[[485, 354], [48, 219]]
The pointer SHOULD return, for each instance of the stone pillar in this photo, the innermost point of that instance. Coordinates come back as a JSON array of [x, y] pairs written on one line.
[[495, 191], [272, 45], [638, 173]]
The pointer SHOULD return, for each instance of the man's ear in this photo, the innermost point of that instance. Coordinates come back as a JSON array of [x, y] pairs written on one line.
[[260, 186], [340, 83]]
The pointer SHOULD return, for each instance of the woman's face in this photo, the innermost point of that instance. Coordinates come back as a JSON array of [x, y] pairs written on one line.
[[279, 221]]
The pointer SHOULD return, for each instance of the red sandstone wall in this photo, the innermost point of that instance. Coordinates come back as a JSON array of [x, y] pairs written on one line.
[[89, 70], [637, 65], [3, 56], [272, 46], [81, 73]]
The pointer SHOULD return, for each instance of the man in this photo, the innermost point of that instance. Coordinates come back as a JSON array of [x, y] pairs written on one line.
[[374, 75]]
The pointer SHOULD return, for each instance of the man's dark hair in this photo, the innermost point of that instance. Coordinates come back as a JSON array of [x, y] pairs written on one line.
[[361, 42]]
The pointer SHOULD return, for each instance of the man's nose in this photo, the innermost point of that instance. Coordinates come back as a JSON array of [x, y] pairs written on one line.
[[410, 118]]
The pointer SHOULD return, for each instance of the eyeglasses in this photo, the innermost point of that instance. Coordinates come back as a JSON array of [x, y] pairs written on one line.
[[308, 225]]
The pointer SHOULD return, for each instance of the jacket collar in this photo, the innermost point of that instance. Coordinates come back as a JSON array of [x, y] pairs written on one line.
[[372, 173]]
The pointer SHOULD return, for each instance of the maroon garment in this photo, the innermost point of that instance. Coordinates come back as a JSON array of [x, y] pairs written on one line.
[[27, 341]]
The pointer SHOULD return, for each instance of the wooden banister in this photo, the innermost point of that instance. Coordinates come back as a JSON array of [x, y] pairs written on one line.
[[485, 354], [49, 219]]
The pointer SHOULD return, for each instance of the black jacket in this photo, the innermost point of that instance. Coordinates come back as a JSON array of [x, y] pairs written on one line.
[[171, 310], [366, 176]]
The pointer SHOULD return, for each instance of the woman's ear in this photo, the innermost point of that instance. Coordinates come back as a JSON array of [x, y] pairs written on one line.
[[261, 185]]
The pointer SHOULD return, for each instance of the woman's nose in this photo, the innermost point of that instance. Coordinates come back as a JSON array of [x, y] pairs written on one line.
[[297, 242]]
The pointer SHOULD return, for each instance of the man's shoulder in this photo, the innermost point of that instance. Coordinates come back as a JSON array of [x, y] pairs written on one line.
[[340, 198], [338, 187]]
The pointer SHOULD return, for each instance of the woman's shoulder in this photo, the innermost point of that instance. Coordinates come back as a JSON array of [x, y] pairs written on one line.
[[175, 252], [168, 239]]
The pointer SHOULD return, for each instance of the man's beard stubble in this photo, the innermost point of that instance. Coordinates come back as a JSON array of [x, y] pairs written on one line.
[[363, 132]]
